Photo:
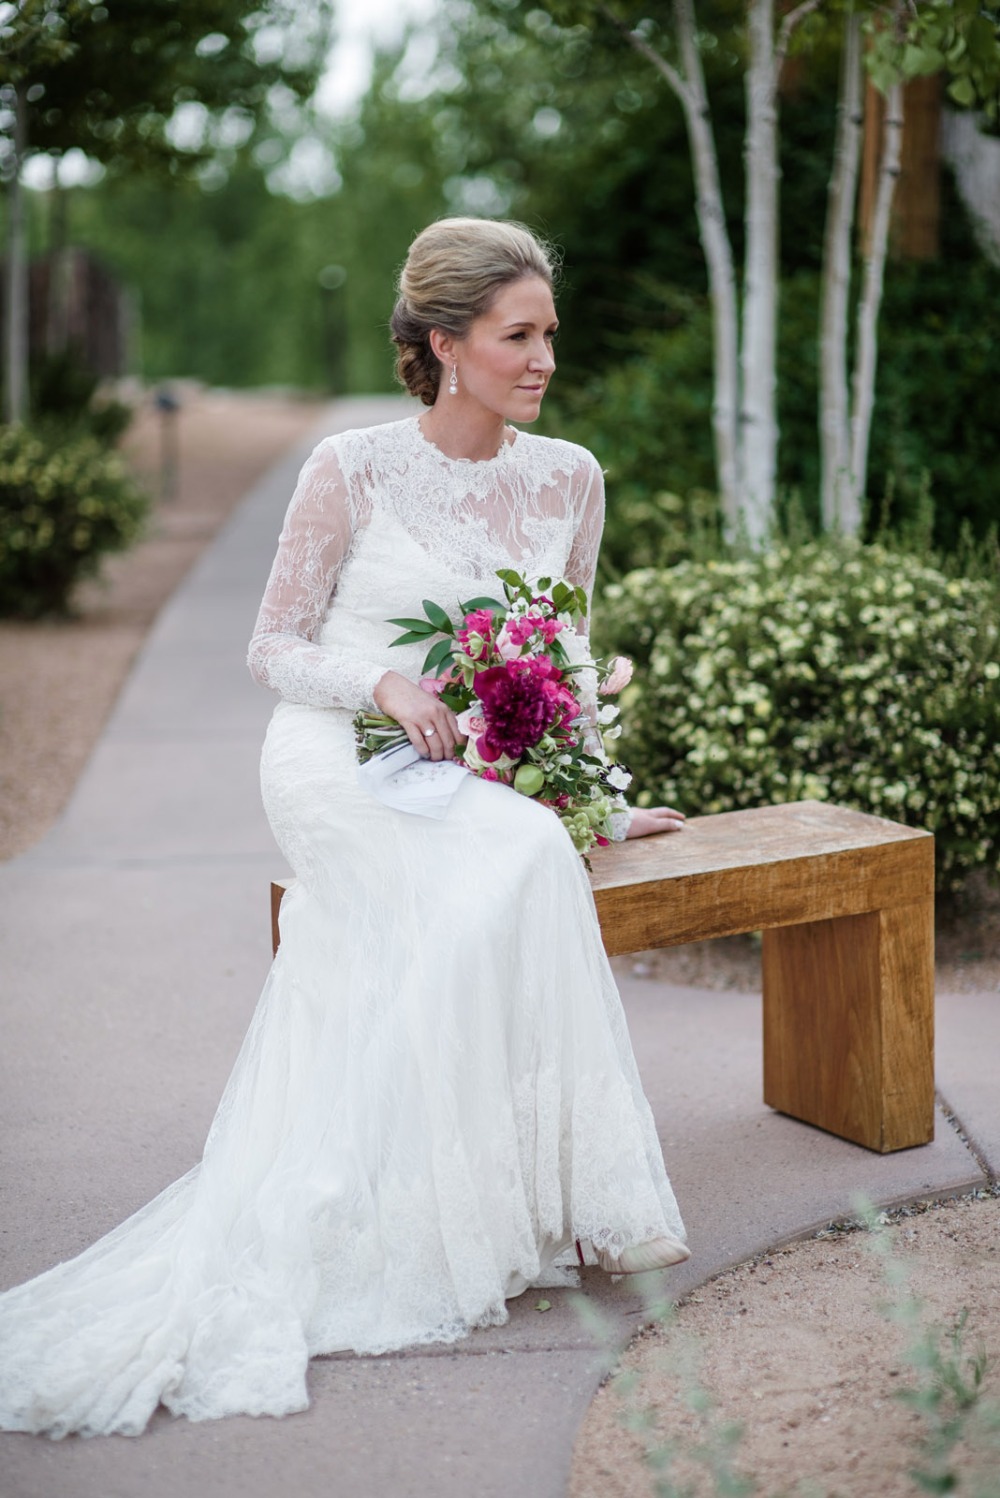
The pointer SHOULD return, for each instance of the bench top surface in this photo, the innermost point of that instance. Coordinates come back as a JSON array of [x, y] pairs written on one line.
[[745, 839]]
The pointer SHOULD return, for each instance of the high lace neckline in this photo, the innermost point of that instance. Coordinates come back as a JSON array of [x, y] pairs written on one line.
[[507, 447]]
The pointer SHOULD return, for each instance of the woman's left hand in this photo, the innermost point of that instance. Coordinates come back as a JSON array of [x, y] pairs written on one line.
[[650, 819]]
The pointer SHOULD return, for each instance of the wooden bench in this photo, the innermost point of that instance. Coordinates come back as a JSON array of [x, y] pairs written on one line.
[[846, 905]]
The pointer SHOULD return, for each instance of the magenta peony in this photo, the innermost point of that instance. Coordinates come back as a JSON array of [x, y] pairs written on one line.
[[519, 704]]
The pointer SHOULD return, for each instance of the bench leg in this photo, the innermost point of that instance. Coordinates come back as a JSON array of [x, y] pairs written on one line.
[[279, 888], [849, 1025]]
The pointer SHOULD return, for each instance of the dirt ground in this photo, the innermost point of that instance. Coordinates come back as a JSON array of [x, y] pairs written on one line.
[[793, 1345], [809, 1349]]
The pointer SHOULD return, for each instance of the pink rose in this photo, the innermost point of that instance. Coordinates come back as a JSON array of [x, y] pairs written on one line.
[[619, 677], [508, 647], [435, 685], [470, 723]]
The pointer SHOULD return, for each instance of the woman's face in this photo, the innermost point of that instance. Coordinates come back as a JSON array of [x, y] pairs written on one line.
[[505, 360]]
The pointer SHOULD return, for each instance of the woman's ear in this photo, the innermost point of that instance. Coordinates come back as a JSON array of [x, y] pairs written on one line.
[[442, 346]]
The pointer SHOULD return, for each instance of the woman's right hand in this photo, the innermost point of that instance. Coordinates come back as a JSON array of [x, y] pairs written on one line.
[[431, 727]]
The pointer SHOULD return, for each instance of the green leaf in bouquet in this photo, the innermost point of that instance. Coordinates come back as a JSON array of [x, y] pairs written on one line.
[[513, 581], [581, 600], [480, 603], [544, 583], [437, 616], [439, 656], [416, 626], [562, 596], [412, 636], [454, 701]]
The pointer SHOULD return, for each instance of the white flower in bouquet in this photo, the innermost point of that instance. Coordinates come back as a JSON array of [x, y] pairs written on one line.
[[577, 649]]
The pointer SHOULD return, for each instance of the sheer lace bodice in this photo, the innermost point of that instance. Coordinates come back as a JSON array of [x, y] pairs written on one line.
[[381, 519]]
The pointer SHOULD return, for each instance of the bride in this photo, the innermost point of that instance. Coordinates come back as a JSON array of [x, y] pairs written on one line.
[[437, 1098]]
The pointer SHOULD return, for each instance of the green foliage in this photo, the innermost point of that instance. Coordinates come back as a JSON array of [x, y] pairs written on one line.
[[62, 507], [565, 127], [648, 422], [950, 1386], [934, 426], [648, 417], [960, 38], [828, 671], [946, 1394], [108, 78], [227, 280], [64, 394]]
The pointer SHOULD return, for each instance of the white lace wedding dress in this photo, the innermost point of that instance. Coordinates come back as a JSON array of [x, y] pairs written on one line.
[[437, 1093]]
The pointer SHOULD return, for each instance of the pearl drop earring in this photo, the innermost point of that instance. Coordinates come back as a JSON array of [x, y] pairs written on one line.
[[453, 382]]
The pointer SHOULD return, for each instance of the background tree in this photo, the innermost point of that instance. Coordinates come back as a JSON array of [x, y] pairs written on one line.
[[954, 34], [572, 131], [116, 81]]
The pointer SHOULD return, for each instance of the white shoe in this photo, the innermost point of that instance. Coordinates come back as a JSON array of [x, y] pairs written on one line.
[[658, 1253]]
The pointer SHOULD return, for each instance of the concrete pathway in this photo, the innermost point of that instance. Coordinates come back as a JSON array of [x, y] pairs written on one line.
[[135, 941]]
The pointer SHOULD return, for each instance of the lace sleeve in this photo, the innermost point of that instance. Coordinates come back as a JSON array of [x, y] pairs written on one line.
[[582, 569], [582, 565], [315, 541]]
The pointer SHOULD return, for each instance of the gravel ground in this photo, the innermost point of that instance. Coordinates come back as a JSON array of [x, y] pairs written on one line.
[[793, 1345]]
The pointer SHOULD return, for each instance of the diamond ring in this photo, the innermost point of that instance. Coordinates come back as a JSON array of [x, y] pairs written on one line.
[[428, 732]]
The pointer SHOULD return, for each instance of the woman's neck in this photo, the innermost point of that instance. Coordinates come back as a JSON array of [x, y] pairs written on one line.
[[463, 430]]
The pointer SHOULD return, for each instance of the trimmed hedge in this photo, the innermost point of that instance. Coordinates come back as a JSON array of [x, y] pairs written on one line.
[[831, 671], [62, 508]]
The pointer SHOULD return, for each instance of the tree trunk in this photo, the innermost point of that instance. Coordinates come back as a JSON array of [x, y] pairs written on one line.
[[863, 395], [758, 423], [914, 229], [60, 277], [688, 86], [834, 409], [719, 262], [871, 164], [16, 290], [915, 232]]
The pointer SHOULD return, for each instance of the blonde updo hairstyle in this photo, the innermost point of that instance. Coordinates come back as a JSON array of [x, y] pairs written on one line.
[[454, 270]]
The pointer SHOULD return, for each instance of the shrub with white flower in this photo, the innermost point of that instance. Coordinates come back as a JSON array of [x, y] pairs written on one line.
[[831, 671]]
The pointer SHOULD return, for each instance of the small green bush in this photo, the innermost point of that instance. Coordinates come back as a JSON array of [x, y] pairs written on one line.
[[62, 507], [65, 397], [831, 671]]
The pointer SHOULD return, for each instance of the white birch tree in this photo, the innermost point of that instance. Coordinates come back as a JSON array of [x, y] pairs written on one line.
[[863, 384], [838, 242], [744, 414], [906, 39]]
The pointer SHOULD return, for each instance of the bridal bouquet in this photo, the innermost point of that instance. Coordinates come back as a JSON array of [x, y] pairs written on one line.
[[519, 677]]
